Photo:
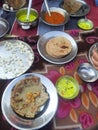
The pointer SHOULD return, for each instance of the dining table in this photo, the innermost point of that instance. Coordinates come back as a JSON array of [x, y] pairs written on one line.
[[80, 113]]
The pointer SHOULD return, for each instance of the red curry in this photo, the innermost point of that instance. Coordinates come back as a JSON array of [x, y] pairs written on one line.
[[55, 18]]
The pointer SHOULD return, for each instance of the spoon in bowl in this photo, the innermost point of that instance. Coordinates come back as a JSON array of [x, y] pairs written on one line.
[[47, 7], [28, 11]]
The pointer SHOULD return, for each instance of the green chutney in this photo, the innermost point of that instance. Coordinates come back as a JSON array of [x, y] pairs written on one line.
[[23, 18]]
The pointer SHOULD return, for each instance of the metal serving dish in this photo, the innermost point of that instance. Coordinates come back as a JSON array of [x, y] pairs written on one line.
[[67, 87], [58, 10], [39, 121], [84, 10], [87, 72], [42, 51], [4, 27], [16, 57], [13, 5], [26, 24], [95, 45]]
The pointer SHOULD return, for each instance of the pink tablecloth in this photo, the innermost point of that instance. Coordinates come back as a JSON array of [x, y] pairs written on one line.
[[93, 14]]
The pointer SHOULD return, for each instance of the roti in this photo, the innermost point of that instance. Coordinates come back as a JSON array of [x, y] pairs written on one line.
[[27, 96], [16, 4], [72, 6], [58, 47]]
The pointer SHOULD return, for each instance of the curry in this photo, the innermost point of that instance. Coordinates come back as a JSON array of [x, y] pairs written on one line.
[[23, 18], [55, 18], [67, 87]]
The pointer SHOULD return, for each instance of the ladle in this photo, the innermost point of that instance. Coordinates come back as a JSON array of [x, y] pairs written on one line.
[[47, 7], [28, 11]]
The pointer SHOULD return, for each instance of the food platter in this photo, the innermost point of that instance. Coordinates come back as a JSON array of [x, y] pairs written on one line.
[[16, 57], [84, 10], [91, 50], [42, 43], [16, 5], [4, 27], [30, 124]]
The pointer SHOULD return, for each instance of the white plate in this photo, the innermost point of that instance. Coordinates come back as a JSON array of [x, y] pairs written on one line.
[[30, 124], [43, 40], [16, 57]]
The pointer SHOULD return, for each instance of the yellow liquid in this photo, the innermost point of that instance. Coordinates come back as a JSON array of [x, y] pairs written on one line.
[[23, 18], [66, 88], [85, 25]]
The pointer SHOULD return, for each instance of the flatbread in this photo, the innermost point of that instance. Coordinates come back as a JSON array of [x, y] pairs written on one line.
[[16, 4], [72, 6], [28, 96], [58, 47]]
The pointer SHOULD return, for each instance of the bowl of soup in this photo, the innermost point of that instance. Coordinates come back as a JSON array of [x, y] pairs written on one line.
[[21, 17], [58, 16], [67, 87]]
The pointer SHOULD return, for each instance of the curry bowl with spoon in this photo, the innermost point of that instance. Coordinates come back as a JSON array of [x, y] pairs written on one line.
[[57, 16]]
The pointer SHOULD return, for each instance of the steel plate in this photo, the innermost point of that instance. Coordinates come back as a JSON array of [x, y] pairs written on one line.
[[84, 10], [16, 57], [43, 40], [30, 124], [7, 5], [4, 27], [90, 51]]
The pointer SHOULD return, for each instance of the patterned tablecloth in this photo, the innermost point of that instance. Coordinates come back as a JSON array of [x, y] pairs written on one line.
[[81, 112]]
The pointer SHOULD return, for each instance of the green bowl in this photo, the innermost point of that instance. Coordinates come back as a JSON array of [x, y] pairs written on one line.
[[67, 87], [23, 22]]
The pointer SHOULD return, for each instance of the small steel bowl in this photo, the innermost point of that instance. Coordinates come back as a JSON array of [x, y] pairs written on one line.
[[87, 72], [27, 24], [67, 87], [58, 10], [85, 24]]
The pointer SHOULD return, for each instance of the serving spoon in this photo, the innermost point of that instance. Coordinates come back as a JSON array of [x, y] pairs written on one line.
[[47, 7], [28, 11]]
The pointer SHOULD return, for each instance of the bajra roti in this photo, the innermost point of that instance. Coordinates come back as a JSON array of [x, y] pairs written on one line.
[[72, 6], [58, 47], [27, 96], [16, 4]]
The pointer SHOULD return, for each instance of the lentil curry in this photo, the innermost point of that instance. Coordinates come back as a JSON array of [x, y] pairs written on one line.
[[55, 18]]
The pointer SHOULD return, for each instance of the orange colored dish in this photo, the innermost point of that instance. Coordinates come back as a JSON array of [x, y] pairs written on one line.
[[55, 18]]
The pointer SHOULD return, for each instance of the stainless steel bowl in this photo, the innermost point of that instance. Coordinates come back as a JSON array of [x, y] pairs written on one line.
[[67, 87], [58, 10], [4, 27], [95, 45], [87, 72], [27, 24]]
